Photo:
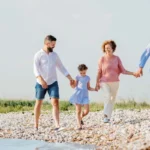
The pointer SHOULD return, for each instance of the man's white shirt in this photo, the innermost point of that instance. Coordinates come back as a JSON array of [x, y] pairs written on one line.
[[45, 66]]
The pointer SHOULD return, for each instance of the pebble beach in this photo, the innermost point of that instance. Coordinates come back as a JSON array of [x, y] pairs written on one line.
[[128, 129]]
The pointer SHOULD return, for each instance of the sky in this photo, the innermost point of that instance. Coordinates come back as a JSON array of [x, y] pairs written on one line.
[[80, 26]]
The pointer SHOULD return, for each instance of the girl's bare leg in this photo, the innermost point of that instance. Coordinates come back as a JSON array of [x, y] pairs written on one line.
[[85, 111], [78, 115]]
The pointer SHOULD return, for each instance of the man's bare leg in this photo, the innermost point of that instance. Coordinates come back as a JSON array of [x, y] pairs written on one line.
[[37, 111], [55, 104]]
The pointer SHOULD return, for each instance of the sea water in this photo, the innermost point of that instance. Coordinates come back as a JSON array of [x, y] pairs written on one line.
[[20, 144]]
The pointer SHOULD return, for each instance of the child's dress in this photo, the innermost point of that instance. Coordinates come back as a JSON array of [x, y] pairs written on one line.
[[80, 95]]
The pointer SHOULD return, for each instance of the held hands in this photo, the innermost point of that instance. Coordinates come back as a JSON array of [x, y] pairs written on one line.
[[97, 87], [135, 75], [139, 73], [72, 83]]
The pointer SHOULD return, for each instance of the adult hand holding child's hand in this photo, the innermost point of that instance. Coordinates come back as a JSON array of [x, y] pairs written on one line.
[[97, 86], [72, 83]]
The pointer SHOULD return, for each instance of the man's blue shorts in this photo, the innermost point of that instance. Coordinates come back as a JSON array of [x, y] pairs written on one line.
[[53, 91]]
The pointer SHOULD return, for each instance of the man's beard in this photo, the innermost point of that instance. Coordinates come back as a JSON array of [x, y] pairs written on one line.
[[50, 49]]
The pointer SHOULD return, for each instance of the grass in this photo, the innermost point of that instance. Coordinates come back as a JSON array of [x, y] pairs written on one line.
[[131, 104], [26, 105]]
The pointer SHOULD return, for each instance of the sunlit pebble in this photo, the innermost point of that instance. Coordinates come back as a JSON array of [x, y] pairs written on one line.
[[126, 125]]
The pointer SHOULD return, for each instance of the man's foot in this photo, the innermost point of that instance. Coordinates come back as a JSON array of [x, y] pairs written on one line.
[[82, 122], [79, 128], [106, 120], [35, 128]]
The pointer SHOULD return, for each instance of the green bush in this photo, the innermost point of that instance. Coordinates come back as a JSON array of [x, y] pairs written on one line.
[[27, 105], [64, 105]]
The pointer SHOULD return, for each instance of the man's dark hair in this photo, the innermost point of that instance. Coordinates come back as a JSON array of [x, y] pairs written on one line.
[[50, 38], [82, 67]]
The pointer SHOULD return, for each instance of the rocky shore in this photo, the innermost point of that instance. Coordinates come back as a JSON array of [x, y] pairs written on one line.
[[128, 130]]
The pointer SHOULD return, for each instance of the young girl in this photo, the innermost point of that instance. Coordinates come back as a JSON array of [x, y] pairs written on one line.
[[80, 96], [109, 69]]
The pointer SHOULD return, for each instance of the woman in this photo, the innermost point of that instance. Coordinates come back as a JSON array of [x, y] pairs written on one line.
[[109, 69]]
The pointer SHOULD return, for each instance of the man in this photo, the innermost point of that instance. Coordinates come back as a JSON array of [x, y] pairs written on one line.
[[143, 60], [45, 63]]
